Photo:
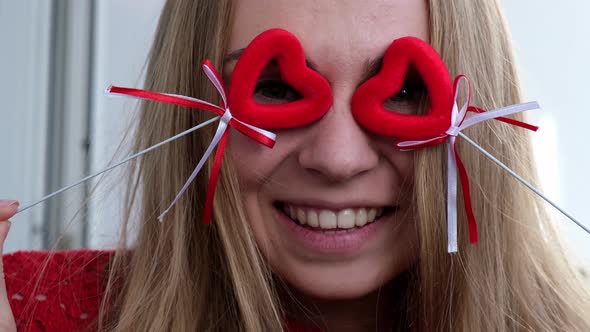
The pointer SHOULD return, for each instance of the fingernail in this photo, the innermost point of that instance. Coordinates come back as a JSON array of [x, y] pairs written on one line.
[[8, 203]]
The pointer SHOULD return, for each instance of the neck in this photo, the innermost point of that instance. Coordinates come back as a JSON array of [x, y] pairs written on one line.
[[372, 312]]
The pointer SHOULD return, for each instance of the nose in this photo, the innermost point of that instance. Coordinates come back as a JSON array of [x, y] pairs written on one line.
[[338, 148]]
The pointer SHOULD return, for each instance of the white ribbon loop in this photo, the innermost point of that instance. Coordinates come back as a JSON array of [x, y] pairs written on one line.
[[451, 196], [457, 117], [410, 145]]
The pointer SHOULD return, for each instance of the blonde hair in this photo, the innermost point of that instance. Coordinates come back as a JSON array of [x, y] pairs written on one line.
[[184, 276]]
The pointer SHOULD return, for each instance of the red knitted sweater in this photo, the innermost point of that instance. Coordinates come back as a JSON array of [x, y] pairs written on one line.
[[67, 297]]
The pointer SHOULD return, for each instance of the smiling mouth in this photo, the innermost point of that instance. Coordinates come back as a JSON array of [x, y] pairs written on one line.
[[348, 219]]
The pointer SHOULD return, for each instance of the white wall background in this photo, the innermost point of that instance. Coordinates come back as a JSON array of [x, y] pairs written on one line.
[[123, 37], [24, 61], [552, 49]]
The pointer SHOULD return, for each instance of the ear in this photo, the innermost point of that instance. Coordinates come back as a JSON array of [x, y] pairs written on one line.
[[284, 48], [404, 53]]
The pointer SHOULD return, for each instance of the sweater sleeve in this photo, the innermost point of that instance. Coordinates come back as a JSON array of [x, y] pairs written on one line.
[[55, 291]]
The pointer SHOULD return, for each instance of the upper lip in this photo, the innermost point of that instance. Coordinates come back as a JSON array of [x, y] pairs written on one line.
[[335, 206]]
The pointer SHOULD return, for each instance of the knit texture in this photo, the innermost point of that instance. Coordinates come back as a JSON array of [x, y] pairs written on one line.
[[55, 291], [61, 291]]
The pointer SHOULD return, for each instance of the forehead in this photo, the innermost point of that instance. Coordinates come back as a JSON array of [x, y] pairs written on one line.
[[337, 32]]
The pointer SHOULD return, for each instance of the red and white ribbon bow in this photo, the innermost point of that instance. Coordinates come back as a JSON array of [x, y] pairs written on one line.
[[460, 122], [260, 135]]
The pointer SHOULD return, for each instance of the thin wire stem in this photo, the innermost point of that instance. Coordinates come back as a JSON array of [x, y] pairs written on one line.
[[523, 181], [153, 147]]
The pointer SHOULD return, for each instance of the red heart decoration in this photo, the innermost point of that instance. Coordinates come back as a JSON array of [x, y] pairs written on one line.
[[367, 101], [282, 46]]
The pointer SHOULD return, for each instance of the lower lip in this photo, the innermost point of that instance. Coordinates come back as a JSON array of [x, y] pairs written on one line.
[[332, 243]]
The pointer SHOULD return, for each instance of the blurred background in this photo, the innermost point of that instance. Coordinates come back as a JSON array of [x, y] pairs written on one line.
[[57, 125]]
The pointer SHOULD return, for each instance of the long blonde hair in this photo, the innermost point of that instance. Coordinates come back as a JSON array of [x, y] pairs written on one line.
[[184, 276]]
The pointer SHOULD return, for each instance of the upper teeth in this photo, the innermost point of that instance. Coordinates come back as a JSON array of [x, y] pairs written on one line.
[[346, 218]]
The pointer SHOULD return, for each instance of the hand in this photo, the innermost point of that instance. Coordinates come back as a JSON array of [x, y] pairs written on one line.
[[7, 210]]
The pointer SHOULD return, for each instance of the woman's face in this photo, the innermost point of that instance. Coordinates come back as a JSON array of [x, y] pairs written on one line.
[[330, 204]]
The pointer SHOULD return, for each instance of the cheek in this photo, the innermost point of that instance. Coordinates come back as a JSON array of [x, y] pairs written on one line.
[[255, 165], [254, 162], [402, 162]]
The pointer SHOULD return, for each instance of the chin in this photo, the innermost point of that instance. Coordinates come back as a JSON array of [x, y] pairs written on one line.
[[342, 281]]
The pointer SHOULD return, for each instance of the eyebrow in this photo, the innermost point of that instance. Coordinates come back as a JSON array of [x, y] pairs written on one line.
[[371, 67], [235, 55]]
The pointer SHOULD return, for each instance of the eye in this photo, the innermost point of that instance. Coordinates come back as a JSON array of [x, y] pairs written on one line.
[[274, 91], [403, 95], [408, 99], [407, 94]]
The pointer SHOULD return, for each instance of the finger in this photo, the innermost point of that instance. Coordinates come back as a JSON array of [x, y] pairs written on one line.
[[7, 209], [4, 228], [6, 317]]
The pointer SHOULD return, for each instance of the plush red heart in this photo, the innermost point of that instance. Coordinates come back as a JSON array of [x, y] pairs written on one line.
[[283, 47], [368, 101]]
